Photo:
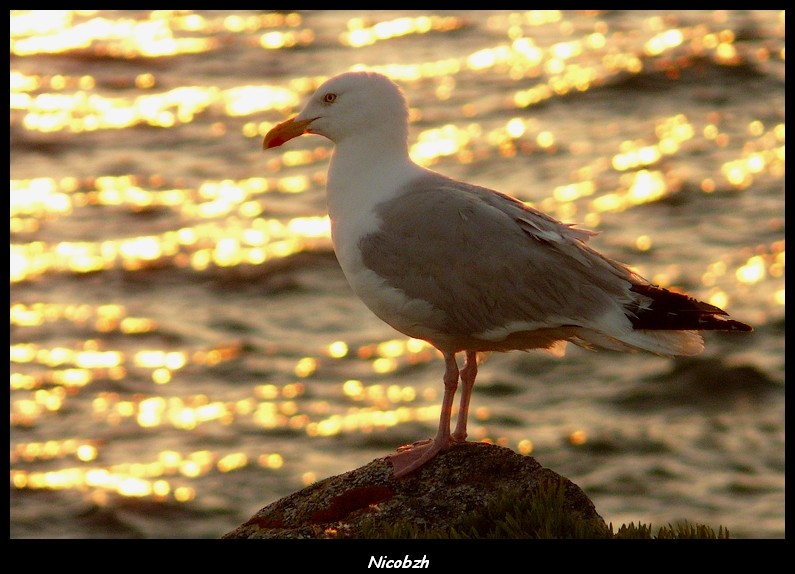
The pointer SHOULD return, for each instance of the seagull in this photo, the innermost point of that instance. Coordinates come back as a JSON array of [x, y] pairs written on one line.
[[468, 269]]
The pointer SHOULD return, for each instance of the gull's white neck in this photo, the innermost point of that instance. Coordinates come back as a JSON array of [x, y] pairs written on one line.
[[365, 172]]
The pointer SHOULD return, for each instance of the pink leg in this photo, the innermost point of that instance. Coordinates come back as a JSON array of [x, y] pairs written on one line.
[[408, 460], [468, 374]]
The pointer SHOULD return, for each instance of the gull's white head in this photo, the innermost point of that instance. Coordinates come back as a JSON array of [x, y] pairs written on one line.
[[353, 104]]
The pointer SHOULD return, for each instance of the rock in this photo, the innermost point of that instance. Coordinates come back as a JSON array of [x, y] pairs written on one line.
[[467, 480]]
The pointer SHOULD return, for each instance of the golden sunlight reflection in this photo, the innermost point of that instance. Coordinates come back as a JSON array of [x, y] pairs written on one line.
[[360, 33], [439, 142], [525, 446], [578, 438], [81, 111], [277, 40], [272, 407], [671, 133], [664, 41], [368, 420], [163, 33], [121, 38], [753, 271], [222, 243], [82, 364], [135, 480], [552, 64], [762, 155]]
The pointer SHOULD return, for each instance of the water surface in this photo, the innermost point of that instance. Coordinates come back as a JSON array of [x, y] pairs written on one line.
[[185, 350]]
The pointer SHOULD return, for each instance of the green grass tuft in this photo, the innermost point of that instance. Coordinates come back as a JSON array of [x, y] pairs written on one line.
[[683, 530], [540, 516]]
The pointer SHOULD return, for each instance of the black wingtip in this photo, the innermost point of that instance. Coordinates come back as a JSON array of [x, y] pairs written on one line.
[[726, 325], [669, 310]]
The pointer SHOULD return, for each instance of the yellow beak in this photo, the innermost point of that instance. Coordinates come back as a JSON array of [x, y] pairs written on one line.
[[284, 132]]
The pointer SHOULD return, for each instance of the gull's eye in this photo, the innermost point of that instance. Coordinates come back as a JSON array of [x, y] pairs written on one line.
[[329, 98]]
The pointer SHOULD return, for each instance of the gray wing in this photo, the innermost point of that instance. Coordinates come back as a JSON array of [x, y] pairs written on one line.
[[486, 260]]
